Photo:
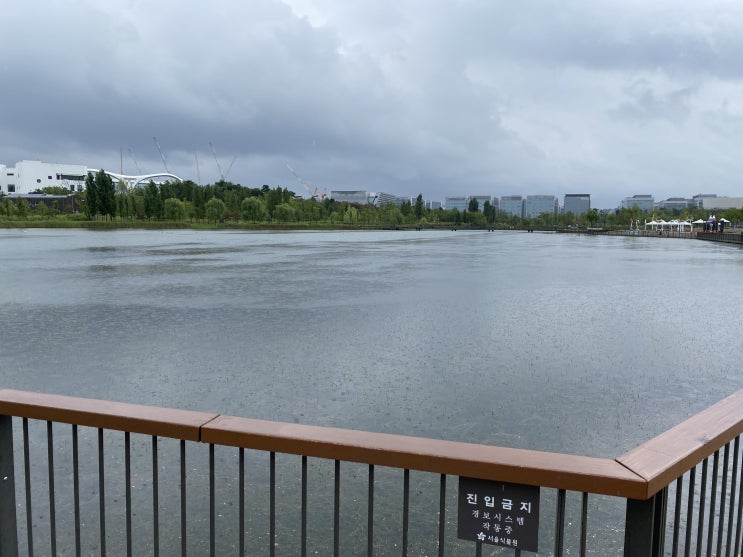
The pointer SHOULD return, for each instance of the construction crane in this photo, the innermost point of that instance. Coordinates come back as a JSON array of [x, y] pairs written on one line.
[[196, 158], [165, 164], [136, 164], [219, 166], [313, 190]]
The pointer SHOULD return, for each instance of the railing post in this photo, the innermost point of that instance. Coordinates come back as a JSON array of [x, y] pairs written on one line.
[[644, 527], [8, 527]]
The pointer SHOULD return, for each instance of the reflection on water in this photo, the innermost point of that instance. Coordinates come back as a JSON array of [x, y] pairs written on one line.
[[575, 344], [542, 341]]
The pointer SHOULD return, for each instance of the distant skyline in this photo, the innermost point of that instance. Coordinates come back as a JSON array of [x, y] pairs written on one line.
[[478, 97]]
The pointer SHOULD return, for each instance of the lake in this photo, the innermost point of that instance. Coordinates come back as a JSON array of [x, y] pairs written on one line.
[[570, 343], [585, 344]]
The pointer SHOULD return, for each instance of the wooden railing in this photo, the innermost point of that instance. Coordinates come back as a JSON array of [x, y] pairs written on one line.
[[643, 477]]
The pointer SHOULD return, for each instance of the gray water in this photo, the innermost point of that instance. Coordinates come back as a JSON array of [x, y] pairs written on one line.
[[578, 344], [552, 342]]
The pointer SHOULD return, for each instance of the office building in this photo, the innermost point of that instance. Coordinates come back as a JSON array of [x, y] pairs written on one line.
[[512, 205], [577, 203], [535, 205], [642, 202], [456, 202]]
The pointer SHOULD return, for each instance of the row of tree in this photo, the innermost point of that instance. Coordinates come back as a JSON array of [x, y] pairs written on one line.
[[225, 201]]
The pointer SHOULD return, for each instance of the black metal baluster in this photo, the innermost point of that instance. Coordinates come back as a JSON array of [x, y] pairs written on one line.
[[712, 503], [52, 511], [128, 492], [690, 512], [739, 522], [27, 474], [405, 511], [677, 515], [560, 523], [101, 492], [733, 488], [337, 510], [583, 525], [723, 498], [304, 506], [442, 514], [212, 504], [272, 507], [241, 497], [370, 514], [76, 488], [155, 500], [702, 503], [184, 539]]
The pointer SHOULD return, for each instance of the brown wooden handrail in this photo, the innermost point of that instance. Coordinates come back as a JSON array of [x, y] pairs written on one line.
[[121, 416], [667, 456], [580, 473], [638, 474]]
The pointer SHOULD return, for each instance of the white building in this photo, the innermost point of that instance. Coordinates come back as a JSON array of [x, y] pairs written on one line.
[[28, 176], [722, 203]]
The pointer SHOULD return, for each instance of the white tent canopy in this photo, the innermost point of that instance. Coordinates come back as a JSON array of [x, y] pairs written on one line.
[[677, 225]]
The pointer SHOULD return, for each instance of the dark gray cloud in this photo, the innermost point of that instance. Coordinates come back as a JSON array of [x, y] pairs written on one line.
[[475, 97]]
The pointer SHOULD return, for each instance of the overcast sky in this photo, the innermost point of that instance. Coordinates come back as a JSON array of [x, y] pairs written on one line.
[[468, 97]]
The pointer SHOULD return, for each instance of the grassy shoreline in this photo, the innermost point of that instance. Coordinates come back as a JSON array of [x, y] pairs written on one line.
[[169, 225]]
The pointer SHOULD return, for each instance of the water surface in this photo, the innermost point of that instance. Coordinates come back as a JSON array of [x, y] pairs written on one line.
[[581, 344]]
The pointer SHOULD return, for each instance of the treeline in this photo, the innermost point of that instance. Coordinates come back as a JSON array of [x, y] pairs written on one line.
[[224, 201]]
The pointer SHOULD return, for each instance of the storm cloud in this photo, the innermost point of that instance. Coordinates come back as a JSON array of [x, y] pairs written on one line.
[[438, 97]]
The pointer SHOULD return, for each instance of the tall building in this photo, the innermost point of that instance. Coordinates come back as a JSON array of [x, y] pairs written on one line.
[[361, 197], [699, 198], [512, 205], [481, 199], [457, 202], [643, 202], [535, 205], [722, 203], [679, 203], [577, 203]]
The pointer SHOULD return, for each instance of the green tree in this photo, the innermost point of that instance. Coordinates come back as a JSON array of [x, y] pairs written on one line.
[[91, 197], [283, 212], [153, 205], [22, 208], [105, 194], [488, 211], [10, 208], [252, 209], [41, 210], [273, 198], [419, 207], [55, 190], [592, 216], [474, 205], [215, 210], [199, 205], [174, 209]]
